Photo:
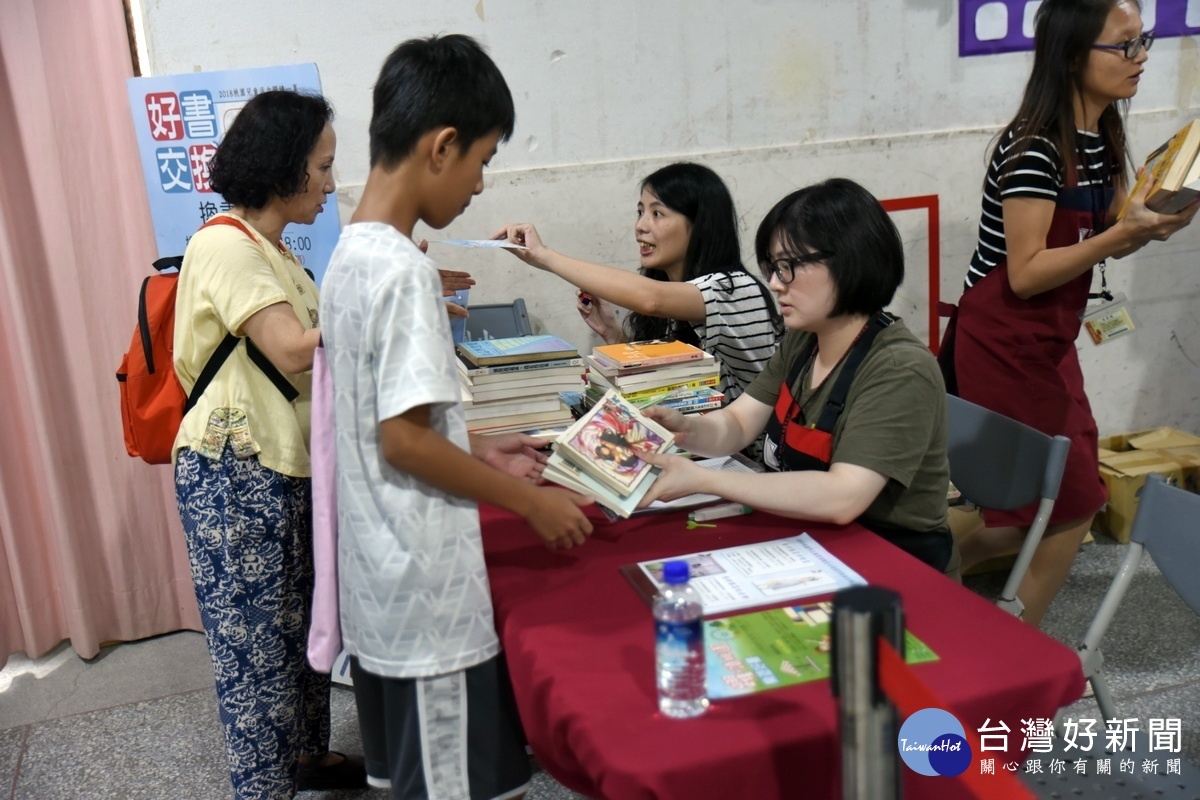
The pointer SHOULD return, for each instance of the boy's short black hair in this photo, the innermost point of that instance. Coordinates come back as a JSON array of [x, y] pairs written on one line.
[[840, 217], [440, 81], [265, 151]]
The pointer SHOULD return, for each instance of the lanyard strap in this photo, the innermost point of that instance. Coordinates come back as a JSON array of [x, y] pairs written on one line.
[[849, 364]]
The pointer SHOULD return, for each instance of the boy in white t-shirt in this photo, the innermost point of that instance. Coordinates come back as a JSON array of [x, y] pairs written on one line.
[[416, 611]]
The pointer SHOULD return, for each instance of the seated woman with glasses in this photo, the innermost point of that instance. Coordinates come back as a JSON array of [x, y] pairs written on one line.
[[852, 403], [692, 285], [1051, 200]]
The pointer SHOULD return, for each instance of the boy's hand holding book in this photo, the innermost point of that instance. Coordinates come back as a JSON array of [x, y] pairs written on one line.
[[556, 516], [516, 454]]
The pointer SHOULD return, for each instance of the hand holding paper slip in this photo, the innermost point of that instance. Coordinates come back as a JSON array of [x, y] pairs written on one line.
[[484, 243]]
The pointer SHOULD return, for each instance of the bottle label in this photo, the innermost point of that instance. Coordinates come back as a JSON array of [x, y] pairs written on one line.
[[681, 635]]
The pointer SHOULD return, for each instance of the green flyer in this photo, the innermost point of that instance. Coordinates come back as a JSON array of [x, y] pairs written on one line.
[[778, 647]]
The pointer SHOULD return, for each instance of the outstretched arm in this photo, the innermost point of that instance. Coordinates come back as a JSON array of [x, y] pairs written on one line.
[[667, 299], [840, 495]]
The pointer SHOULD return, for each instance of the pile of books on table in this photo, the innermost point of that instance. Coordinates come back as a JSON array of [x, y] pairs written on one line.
[[599, 454], [514, 384], [671, 374]]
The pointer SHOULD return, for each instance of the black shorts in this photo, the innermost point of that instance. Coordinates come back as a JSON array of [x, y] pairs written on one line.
[[454, 736]]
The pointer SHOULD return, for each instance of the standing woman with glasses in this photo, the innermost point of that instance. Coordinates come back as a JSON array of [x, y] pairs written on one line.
[[1056, 180], [852, 403]]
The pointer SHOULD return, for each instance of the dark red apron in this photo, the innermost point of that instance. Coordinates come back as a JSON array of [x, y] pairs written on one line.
[[792, 445], [1018, 357]]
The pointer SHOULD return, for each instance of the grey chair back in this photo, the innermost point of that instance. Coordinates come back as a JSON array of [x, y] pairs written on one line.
[[497, 321], [1165, 526], [999, 463]]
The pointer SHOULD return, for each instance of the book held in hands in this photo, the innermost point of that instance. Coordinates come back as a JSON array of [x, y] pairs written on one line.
[[607, 441], [1172, 172], [600, 454]]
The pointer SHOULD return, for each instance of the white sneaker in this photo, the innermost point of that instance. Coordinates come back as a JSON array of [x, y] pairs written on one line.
[[379, 783]]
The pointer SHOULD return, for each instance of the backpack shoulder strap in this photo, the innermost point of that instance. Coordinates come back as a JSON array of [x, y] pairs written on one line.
[[232, 222], [841, 388], [225, 348], [210, 370]]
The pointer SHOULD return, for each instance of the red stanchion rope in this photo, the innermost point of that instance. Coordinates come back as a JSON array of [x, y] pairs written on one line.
[[910, 695]]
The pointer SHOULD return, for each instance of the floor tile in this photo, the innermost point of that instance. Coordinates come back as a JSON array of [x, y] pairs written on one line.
[[170, 747], [61, 684]]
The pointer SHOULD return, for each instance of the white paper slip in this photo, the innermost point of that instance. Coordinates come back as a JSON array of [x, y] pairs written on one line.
[[753, 575], [501, 243]]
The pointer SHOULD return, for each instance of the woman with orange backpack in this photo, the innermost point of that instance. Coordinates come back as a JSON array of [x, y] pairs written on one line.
[[241, 455]]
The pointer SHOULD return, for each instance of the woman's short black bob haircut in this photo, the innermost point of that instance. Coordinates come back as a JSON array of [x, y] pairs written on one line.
[[265, 151], [839, 217]]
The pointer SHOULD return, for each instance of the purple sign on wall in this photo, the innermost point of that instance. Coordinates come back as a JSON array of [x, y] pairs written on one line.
[[1005, 26]]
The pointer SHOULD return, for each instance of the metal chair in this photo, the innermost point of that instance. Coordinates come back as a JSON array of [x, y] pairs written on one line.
[[1165, 525], [498, 321], [999, 463]]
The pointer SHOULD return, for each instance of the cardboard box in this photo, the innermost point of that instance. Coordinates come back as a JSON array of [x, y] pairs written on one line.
[[1189, 457], [1127, 459]]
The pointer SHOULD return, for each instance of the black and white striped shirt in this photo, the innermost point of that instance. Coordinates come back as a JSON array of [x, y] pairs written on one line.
[[737, 327], [1038, 172]]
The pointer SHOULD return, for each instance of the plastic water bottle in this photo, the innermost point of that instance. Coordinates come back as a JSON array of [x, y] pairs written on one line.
[[679, 651]]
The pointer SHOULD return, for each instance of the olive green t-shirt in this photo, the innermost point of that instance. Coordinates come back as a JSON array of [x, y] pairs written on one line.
[[894, 422]]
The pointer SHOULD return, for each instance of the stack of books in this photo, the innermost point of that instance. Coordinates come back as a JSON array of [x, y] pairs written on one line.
[[599, 454], [514, 384], [671, 374]]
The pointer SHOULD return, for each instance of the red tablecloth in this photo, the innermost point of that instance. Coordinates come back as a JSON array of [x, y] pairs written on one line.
[[579, 644]]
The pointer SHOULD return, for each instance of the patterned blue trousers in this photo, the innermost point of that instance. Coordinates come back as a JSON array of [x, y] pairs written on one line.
[[249, 537]]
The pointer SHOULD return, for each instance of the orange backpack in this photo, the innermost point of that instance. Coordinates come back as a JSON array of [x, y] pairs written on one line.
[[153, 402]]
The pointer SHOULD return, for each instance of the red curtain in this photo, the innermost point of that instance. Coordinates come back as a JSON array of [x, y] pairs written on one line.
[[90, 546]]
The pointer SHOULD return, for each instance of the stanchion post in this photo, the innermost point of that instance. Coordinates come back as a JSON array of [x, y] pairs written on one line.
[[867, 719]]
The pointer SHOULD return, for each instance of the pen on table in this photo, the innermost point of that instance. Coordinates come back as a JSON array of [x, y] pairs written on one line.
[[719, 512]]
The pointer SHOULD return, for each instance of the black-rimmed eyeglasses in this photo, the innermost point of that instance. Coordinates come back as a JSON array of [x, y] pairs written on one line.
[[784, 269], [1131, 48]]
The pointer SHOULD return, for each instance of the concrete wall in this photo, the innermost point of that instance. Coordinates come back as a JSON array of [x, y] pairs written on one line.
[[773, 94]]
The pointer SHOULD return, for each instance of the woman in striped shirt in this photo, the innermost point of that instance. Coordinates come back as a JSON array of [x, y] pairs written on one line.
[[692, 285], [1050, 199]]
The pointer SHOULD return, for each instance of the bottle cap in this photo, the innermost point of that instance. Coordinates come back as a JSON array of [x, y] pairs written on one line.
[[675, 572]]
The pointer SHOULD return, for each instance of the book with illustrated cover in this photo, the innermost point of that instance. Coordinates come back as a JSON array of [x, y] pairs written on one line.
[[606, 441], [568, 475], [1173, 172], [516, 349], [778, 647], [637, 355]]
